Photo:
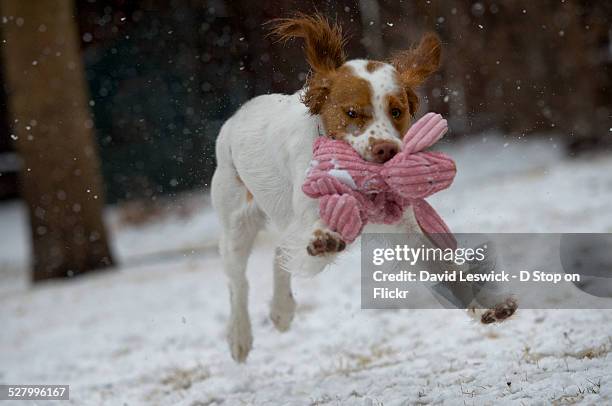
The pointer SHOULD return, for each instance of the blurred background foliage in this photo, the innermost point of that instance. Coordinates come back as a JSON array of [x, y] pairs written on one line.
[[164, 75]]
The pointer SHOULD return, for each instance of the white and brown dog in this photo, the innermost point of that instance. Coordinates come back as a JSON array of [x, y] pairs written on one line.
[[264, 150]]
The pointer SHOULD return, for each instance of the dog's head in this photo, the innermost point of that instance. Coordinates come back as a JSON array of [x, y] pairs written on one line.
[[368, 104]]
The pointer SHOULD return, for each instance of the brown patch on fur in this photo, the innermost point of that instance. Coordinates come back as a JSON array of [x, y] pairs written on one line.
[[349, 93], [500, 312], [249, 195], [317, 91], [325, 242], [488, 317], [505, 309], [323, 42], [400, 102], [324, 48], [373, 65], [417, 64], [413, 101]]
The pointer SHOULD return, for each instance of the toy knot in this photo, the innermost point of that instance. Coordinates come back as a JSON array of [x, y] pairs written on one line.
[[353, 192]]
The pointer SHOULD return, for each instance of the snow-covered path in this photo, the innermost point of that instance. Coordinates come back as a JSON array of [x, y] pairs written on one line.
[[152, 332]]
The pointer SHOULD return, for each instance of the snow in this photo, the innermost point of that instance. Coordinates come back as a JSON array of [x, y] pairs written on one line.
[[14, 231], [343, 176], [172, 235], [152, 331]]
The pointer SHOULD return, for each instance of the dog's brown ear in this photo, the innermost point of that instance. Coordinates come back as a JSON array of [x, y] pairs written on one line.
[[417, 64], [324, 49], [317, 90], [323, 42]]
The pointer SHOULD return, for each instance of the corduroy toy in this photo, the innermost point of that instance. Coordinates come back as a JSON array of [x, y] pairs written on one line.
[[353, 192]]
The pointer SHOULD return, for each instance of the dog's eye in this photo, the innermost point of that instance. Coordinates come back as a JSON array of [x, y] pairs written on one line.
[[396, 113], [351, 113]]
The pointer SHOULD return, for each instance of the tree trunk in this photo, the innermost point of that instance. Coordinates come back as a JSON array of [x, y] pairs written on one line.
[[54, 135]]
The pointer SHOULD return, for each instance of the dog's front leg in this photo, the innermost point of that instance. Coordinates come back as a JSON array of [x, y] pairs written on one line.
[[324, 241], [282, 308], [486, 303], [308, 245]]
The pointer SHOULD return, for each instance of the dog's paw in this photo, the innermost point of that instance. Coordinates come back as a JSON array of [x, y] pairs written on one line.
[[325, 242], [240, 339], [282, 312], [499, 313]]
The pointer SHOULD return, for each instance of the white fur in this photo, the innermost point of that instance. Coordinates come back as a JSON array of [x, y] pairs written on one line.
[[382, 82]]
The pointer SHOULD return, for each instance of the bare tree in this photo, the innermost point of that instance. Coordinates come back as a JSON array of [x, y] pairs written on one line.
[[54, 135]]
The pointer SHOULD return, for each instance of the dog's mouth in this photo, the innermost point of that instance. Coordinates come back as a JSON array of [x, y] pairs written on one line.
[[381, 150], [375, 150]]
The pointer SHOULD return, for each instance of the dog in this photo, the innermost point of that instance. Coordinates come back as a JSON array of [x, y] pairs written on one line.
[[263, 153]]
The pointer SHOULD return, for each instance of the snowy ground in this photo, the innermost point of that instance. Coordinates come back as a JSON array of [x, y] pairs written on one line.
[[152, 331]]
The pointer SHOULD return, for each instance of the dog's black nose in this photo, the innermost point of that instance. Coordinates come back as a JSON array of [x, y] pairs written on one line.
[[382, 151]]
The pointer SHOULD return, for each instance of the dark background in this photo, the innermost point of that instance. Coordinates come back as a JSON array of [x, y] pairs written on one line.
[[164, 75]]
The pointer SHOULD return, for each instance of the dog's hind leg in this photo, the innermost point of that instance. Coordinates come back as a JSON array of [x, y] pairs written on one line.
[[241, 219], [282, 308], [484, 302]]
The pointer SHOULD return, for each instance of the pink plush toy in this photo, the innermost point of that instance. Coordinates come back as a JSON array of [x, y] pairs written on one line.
[[353, 192]]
